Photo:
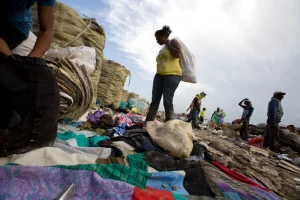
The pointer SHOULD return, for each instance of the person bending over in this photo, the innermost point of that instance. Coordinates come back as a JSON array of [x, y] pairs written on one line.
[[16, 23]]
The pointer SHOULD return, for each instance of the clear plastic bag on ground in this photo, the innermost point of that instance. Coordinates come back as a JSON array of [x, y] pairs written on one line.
[[140, 104], [188, 64], [175, 137]]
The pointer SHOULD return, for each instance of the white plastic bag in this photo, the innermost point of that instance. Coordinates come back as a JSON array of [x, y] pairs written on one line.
[[81, 55], [188, 64], [26, 46], [175, 137]]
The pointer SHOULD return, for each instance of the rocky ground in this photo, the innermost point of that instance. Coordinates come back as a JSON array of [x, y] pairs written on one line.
[[235, 155]]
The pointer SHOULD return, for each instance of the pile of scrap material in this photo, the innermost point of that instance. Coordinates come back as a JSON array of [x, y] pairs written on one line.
[[112, 80], [115, 157], [256, 163], [132, 102], [75, 88], [71, 30]]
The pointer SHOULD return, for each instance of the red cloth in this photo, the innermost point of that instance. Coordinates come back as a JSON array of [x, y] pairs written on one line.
[[237, 176], [151, 194], [258, 142]]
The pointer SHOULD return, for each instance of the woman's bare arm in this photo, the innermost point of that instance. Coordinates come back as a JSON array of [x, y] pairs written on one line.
[[46, 20]]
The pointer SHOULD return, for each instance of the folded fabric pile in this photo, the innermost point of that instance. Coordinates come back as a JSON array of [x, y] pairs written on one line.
[[75, 88]]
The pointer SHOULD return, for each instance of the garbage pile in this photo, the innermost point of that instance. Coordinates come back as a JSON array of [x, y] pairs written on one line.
[[132, 102]]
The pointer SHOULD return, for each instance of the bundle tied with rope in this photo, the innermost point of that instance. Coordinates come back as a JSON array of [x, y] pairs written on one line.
[[112, 80], [71, 30]]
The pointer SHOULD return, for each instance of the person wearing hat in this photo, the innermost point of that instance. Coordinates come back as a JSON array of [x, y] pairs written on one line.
[[275, 113], [195, 108], [248, 110]]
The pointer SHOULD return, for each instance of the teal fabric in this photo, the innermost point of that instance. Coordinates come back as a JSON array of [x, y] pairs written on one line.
[[178, 196], [82, 140], [137, 161]]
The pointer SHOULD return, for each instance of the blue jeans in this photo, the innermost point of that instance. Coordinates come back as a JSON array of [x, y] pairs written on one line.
[[195, 114], [163, 85]]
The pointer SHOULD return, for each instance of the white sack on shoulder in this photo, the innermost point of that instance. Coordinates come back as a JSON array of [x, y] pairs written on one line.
[[175, 137], [188, 64]]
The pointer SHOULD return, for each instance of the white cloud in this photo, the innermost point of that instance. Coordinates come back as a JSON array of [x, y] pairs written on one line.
[[243, 48]]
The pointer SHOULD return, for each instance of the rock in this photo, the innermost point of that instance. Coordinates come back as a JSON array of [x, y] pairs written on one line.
[[229, 132], [174, 188]]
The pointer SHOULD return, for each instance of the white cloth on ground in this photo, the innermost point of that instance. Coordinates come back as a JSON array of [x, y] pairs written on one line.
[[99, 152], [49, 156]]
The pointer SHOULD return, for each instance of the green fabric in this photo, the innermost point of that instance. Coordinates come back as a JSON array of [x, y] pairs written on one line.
[[215, 117], [82, 140], [117, 172], [137, 161], [178, 196], [86, 126]]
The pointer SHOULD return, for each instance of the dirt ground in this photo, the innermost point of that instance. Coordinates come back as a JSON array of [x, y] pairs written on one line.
[[255, 166]]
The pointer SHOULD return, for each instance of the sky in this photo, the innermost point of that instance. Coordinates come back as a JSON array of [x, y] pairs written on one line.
[[243, 49]]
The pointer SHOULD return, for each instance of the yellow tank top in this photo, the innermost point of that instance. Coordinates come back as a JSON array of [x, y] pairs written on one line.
[[167, 64]]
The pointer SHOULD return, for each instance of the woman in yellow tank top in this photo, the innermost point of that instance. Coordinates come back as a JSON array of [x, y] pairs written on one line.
[[168, 74]]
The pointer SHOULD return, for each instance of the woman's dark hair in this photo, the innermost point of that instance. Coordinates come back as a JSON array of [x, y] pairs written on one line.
[[165, 31]]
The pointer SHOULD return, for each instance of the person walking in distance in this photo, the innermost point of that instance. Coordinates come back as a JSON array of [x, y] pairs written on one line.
[[202, 115]]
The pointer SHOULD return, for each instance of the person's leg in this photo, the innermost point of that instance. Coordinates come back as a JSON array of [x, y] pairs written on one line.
[[157, 92], [245, 130], [274, 137], [194, 120], [242, 131], [267, 136], [170, 84], [201, 120]]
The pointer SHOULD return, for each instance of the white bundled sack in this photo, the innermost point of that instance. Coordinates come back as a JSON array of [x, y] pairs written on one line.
[[188, 64], [81, 55], [175, 137], [26, 46]]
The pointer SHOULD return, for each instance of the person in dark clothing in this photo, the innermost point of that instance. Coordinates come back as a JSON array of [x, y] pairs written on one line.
[[195, 108], [248, 110], [275, 113]]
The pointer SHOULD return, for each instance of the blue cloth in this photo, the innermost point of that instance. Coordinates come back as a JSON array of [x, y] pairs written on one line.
[[275, 111], [166, 180], [19, 13], [119, 130]]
